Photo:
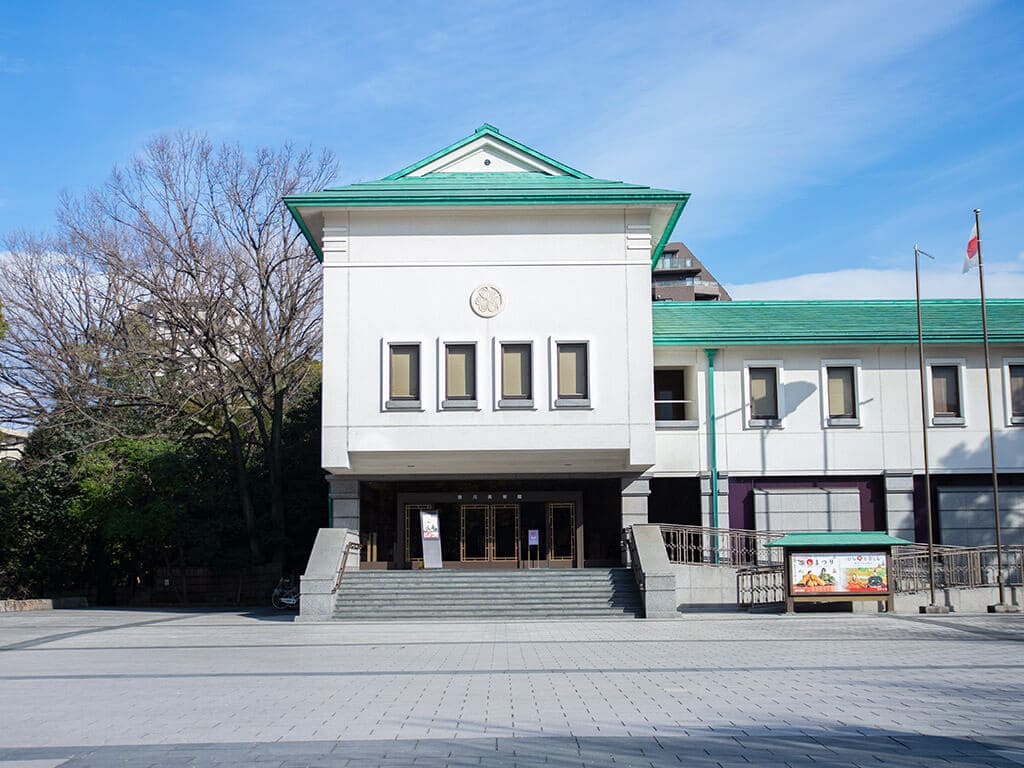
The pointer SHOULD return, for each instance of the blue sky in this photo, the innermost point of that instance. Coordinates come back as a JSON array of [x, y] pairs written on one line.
[[819, 140]]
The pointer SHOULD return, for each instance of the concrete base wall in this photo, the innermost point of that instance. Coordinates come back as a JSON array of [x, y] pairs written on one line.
[[42, 604], [317, 583], [957, 600], [658, 578], [702, 586]]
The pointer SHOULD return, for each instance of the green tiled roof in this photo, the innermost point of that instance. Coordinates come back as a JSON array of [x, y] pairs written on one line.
[[486, 189], [493, 189], [753, 323], [838, 539]]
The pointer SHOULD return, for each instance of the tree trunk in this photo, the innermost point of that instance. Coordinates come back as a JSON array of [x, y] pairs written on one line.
[[244, 490], [275, 463]]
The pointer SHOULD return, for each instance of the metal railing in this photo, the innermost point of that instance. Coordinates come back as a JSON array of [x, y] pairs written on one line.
[[734, 547], [350, 547], [634, 561], [760, 585], [956, 567]]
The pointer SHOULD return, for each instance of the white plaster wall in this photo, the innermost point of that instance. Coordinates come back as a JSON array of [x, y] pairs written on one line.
[[887, 438], [579, 275]]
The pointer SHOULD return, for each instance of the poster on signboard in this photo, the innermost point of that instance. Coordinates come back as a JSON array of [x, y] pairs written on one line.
[[430, 530], [533, 537], [838, 573]]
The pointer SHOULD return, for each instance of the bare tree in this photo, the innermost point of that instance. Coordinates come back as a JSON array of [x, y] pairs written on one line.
[[182, 291]]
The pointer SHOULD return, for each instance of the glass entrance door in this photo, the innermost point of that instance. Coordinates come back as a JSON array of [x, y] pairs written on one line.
[[561, 531], [489, 535], [489, 532]]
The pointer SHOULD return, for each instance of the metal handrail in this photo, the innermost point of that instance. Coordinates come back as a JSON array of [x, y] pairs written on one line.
[[957, 567], [733, 547], [760, 585], [634, 559], [344, 561]]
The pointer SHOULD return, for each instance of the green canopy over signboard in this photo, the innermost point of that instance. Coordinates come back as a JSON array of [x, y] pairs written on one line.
[[839, 539]]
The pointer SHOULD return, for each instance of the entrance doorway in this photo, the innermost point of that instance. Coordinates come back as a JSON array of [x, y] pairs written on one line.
[[554, 529], [489, 532], [526, 534]]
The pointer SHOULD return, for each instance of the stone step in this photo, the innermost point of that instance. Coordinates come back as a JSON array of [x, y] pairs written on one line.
[[554, 575], [486, 605], [497, 594]]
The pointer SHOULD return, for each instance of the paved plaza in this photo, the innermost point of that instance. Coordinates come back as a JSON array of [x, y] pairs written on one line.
[[167, 688]]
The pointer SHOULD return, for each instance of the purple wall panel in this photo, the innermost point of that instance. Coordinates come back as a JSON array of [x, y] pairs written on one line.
[[871, 488]]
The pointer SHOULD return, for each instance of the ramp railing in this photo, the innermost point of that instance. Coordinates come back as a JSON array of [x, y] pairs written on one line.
[[733, 547], [956, 567]]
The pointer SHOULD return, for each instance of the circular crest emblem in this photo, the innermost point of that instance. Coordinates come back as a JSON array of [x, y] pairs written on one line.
[[486, 301]]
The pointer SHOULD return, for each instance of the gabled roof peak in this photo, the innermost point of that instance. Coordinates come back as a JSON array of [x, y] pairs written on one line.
[[487, 140]]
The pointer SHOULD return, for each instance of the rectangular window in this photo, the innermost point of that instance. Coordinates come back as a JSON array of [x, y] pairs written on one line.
[[764, 394], [516, 376], [841, 392], [573, 387], [404, 376], [946, 392], [669, 394], [460, 375], [1016, 377]]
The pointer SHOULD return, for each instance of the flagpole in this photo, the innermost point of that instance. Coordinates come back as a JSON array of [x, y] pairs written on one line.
[[931, 607], [1001, 605]]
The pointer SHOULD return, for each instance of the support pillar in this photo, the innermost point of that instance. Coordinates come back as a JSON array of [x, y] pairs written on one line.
[[344, 495], [899, 504], [635, 491]]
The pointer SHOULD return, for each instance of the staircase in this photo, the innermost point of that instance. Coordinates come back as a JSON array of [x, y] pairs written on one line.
[[591, 593]]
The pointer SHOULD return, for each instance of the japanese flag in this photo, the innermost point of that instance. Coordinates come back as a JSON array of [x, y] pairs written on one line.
[[971, 259]]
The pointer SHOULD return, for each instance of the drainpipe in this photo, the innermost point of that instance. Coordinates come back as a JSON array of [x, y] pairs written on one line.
[[712, 448]]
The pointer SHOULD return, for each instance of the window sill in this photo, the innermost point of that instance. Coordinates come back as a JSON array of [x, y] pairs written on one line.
[[403, 405], [765, 423], [514, 404], [582, 402], [667, 424], [948, 421], [1017, 421], [842, 422], [459, 405]]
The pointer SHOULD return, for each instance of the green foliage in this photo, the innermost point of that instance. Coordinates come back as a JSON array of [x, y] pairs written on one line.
[[81, 516]]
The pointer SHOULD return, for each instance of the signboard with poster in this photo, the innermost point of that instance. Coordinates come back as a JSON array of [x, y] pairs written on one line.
[[838, 566], [833, 573], [430, 529]]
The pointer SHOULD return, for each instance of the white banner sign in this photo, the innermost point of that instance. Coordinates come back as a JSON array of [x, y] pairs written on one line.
[[430, 528]]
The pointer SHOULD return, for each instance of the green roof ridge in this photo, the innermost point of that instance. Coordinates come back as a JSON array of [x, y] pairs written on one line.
[[487, 130]]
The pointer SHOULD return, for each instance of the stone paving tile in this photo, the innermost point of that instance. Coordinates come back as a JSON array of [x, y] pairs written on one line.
[[219, 689]]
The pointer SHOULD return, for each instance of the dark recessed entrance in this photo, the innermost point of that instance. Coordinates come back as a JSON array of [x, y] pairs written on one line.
[[542, 530]]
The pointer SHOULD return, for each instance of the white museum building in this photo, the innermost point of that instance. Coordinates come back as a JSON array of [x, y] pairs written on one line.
[[491, 351]]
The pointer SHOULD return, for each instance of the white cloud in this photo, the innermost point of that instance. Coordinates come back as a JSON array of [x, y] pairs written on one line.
[[11, 66], [753, 106], [1003, 280]]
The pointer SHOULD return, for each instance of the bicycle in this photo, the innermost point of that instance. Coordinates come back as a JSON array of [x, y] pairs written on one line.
[[285, 595]]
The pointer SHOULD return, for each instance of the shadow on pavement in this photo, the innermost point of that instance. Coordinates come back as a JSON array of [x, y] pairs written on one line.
[[759, 746]]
